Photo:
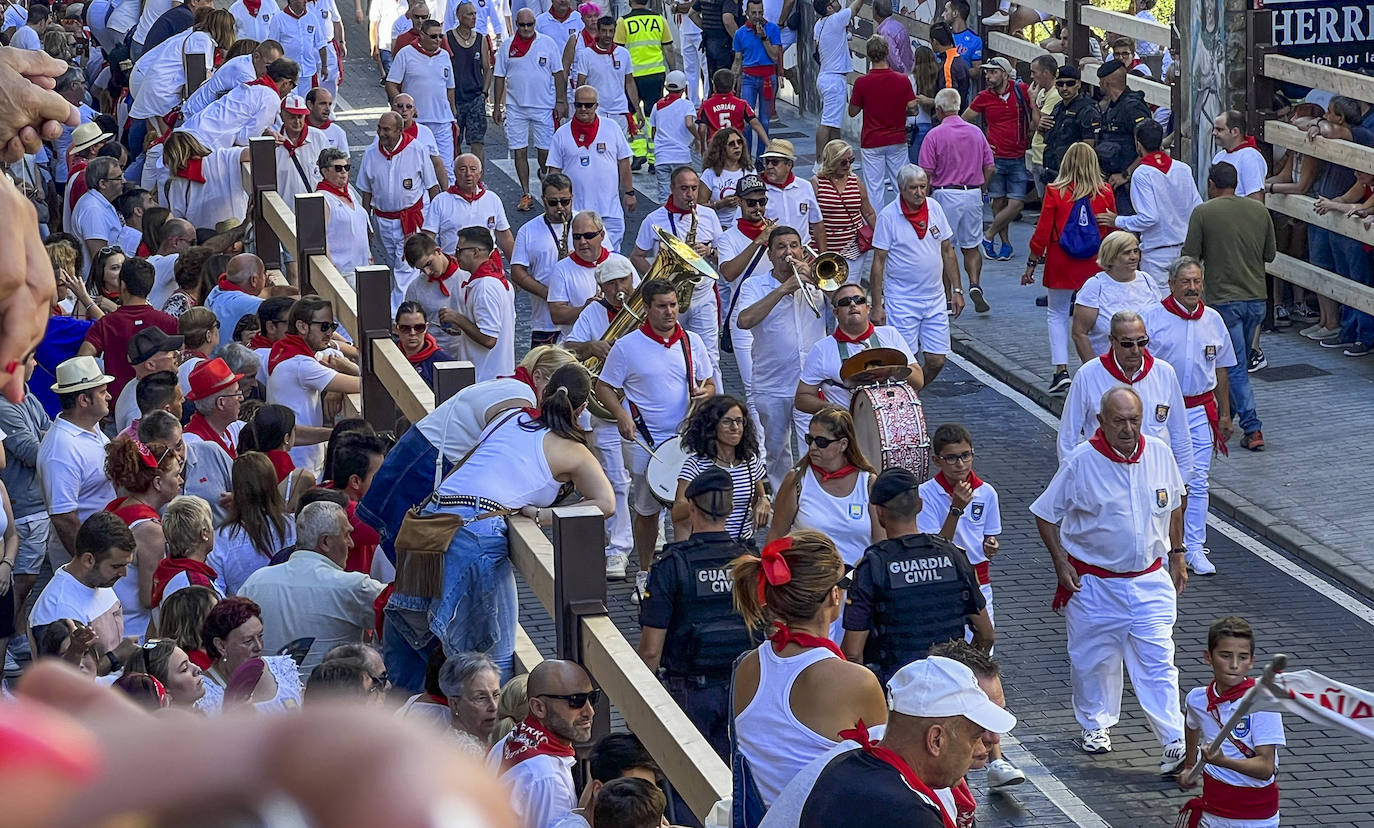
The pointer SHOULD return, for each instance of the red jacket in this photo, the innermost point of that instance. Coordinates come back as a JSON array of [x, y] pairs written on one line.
[[1061, 271]]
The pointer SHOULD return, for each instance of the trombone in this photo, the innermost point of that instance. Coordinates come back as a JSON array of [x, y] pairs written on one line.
[[830, 271]]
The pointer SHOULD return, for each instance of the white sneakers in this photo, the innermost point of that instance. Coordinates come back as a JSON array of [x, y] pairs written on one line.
[[1200, 563], [641, 586], [1172, 759], [615, 566], [1002, 773], [1001, 18], [1097, 741]]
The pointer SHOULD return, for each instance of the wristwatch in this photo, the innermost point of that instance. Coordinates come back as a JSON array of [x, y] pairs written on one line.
[[955, 510], [959, 291]]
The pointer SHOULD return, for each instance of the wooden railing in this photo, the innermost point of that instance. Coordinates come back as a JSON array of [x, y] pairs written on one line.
[[567, 575]]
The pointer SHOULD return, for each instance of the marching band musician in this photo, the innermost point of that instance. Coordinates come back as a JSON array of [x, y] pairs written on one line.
[[539, 247], [699, 226], [573, 285], [785, 326], [616, 277], [739, 251], [854, 332], [663, 371]]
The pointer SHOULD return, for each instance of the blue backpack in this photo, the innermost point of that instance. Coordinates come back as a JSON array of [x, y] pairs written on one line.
[[1080, 237]]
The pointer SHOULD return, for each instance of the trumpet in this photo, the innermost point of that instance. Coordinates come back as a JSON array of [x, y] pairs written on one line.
[[804, 288]]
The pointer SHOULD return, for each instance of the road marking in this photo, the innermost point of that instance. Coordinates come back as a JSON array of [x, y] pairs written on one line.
[[1050, 785]]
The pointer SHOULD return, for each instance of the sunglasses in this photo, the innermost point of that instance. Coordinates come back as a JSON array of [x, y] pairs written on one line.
[[576, 701], [327, 327], [821, 442], [524, 25], [771, 162], [586, 236], [846, 580], [106, 251], [414, 329], [380, 684], [558, 202], [341, 167], [1143, 342], [851, 300], [1066, 83], [756, 202], [584, 104]]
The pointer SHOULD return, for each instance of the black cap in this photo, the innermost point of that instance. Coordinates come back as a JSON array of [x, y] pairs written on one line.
[[1109, 67], [1067, 72], [714, 479], [150, 342], [749, 183], [892, 482]]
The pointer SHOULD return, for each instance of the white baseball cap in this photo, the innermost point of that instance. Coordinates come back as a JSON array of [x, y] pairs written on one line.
[[677, 79], [615, 267], [295, 104], [936, 687]]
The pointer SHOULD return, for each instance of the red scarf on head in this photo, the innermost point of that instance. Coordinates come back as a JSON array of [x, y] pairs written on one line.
[[1099, 442], [973, 482], [1215, 699], [887, 756], [1109, 362], [672, 208], [667, 100], [1248, 142], [749, 229], [919, 218], [481, 191], [584, 134], [1173, 306], [291, 345], [305, 134], [228, 286], [826, 476], [784, 185], [192, 171], [529, 739], [201, 427], [491, 269], [253, 7], [783, 635], [426, 351], [666, 343], [258, 340], [841, 336], [605, 254], [406, 138], [520, 46], [326, 187], [1159, 160], [198, 573], [442, 280], [281, 463]]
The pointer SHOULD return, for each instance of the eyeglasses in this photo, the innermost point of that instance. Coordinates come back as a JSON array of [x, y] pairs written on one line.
[[281, 321], [558, 202], [732, 422], [153, 643], [587, 236], [770, 162], [341, 167], [1142, 342], [851, 300], [576, 701], [584, 104], [412, 329], [380, 684], [460, 250], [756, 202], [962, 457], [108, 180], [821, 442], [844, 162], [327, 327]]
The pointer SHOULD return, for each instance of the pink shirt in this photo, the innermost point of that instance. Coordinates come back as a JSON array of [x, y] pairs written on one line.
[[955, 152]]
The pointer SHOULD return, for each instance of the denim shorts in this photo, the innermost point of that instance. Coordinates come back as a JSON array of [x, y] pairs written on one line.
[[1010, 180]]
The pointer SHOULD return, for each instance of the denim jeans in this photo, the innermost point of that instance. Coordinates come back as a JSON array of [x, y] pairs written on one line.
[[1242, 320], [751, 90], [918, 137], [1347, 257], [405, 478]]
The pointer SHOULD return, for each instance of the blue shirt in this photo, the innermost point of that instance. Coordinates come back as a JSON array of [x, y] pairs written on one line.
[[60, 343], [970, 45], [749, 44], [229, 306]]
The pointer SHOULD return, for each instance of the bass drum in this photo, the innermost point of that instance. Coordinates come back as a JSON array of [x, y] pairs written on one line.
[[665, 464], [891, 427]]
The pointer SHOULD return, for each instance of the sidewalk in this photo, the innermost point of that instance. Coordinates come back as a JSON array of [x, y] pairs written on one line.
[[1306, 491]]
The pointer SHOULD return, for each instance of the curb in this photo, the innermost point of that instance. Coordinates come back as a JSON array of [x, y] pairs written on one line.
[[1233, 505]]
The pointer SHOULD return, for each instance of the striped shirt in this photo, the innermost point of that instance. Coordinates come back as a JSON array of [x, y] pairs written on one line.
[[842, 214], [744, 476]]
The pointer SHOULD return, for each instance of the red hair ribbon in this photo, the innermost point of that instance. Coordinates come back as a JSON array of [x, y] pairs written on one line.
[[773, 567], [145, 454]]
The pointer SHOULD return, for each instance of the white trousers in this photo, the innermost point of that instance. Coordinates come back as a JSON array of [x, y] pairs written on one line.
[[743, 342], [606, 444], [1130, 620], [1061, 306], [986, 589], [703, 319], [692, 66], [615, 229], [393, 246], [880, 165], [443, 139], [1155, 262], [783, 428], [1195, 516]]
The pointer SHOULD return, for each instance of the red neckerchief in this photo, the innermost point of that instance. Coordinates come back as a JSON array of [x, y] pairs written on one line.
[[198, 573], [1109, 362], [426, 351], [784, 185], [305, 133], [973, 482], [291, 345], [439, 700], [201, 427], [673, 209], [226, 285], [783, 635], [328, 122], [750, 230], [529, 739], [293, 14], [611, 310], [919, 218], [442, 280], [667, 100], [406, 138], [588, 38], [584, 134], [253, 7], [492, 269], [1215, 699], [841, 336], [605, 254], [565, 16], [964, 803], [825, 476], [666, 343], [264, 81], [596, 47], [870, 746], [520, 46], [1099, 442], [413, 131], [481, 191], [1159, 160], [522, 373], [258, 340], [1248, 142], [143, 250], [113, 296], [1172, 306], [326, 187], [192, 171], [281, 463]]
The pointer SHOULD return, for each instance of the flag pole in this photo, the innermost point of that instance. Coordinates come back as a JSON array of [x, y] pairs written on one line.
[[1265, 683]]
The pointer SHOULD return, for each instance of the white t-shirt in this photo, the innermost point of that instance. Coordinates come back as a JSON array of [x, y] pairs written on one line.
[[832, 38], [1251, 169], [427, 79], [1254, 730], [397, 182], [290, 183], [708, 231], [385, 13], [607, 72], [529, 78], [71, 469], [913, 281], [591, 324], [558, 31], [251, 27], [297, 383], [1195, 348], [981, 517], [823, 361], [654, 378], [181, 581], [672, 136], [1109, 296], [536, 250], [573, 283], [592, 168], [490, 304], [721, 185], [492, 17], [782, 340], [794, 206], [66, 597], [449, 212], [94, 217]]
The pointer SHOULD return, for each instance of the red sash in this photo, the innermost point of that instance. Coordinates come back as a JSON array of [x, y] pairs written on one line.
[[201, 427], [1208, 401], [984, 573], [529, 739], [1228, 801], [412, 217], [860, 734], [198, 573], [1062, 595]]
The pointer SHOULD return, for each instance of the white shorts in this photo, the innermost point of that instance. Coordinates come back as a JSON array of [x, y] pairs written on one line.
[[925, 331], [642, 500], [519, 120], [965, 209], [834, 97]]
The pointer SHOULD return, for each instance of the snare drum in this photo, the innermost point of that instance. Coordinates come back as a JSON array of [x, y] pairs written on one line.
[[891, 427], [665, 464]]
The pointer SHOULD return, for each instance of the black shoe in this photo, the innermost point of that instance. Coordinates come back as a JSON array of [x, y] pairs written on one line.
[[1257, 361], [1042, 301], [975, 292], [636, 164], [1060, 383], [653, 168]]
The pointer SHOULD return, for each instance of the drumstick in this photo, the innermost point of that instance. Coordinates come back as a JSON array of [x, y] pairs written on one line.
[[646, 447]]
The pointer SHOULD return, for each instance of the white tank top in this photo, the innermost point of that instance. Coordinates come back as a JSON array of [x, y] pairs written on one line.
[[769, 736], [842, 519], [347, 233], [508, 467]]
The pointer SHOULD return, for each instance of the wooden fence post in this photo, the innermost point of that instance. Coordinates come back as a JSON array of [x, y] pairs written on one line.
[[579, 585], [374, 322], [452, 377], [262, 160], [310, 236], [1259, 90]]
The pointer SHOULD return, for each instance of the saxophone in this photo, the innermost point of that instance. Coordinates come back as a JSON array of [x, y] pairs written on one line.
[[687, 287], [560, 244]]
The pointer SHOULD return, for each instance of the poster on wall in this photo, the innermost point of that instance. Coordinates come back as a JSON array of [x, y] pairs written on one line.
[[1205, 67], [1329, 33]]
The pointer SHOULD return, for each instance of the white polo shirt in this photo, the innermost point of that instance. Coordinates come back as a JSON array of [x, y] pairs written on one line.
[[71, 469], [981, 518], [250, 26], [794, 206], [822, 365], [594, 169], [708, 231], [398, 182], [575, 283], [301, 39], [1251, 169], [94, 217], [591, 325], [426, 78], [221, 196], [784, 337], [155, 77], [914, 280], [1113, 515], [297, 383], [536, 250], [607, 72], [1164, 416], [654, 378], [1259, 727], [232, 73], [450, 212], [328, 12], [529, 78], [241, 114], [558, 30], [1195, 348], [490, 304]]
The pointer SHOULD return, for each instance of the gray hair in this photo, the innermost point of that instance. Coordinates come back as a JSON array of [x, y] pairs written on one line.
[[590, 215], [1181, 264], [329, 155], [1124, 317], [98, 169], [317, 520], [947, 100], [240, 358], [1119, 389], [909, 173], [459, 670], [157, 426]]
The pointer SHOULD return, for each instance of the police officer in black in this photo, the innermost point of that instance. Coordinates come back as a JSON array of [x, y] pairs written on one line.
[[689, 628], [911, 591], [1125, 110], [1075, 118]]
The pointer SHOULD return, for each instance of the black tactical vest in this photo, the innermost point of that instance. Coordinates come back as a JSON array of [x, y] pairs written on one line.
[[920, 600], [706, 635]]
